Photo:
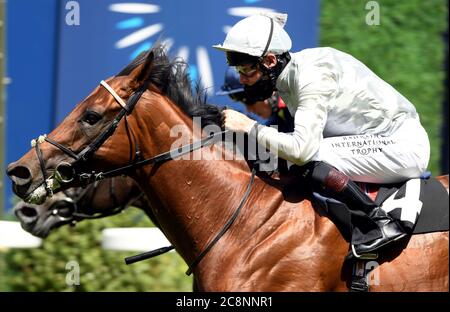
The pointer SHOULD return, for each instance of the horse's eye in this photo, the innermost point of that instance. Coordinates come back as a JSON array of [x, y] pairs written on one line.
[[91, 117]]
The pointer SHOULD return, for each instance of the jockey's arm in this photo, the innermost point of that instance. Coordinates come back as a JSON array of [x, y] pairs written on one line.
[[312, 101]]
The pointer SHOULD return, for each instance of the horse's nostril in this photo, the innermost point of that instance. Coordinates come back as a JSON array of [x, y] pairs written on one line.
[[28, 212], [20, 175]]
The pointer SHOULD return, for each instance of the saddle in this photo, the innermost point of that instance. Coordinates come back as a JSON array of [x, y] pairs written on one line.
[[421, 205]]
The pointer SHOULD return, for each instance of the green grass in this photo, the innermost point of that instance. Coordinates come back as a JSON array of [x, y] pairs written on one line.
[[44, 268]]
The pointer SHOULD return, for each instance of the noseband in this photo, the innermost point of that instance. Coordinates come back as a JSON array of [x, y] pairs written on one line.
[[87, 178]]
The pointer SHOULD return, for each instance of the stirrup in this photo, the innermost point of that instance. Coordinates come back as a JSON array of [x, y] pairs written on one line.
[[364, 256], [402, 235]]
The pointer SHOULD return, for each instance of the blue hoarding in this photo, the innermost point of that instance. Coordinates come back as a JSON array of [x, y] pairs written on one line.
[[112, 32], [31, 44]]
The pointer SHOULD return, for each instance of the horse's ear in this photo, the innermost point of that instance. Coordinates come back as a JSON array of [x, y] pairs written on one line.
[[142, 72]]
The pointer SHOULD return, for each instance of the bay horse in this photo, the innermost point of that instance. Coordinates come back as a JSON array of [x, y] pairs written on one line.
[[278, 241], [97, 200]]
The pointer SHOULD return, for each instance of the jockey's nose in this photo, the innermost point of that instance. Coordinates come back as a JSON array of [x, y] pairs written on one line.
[[21, 177]]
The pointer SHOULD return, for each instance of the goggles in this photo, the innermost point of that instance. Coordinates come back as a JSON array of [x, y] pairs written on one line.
[[247, 71]]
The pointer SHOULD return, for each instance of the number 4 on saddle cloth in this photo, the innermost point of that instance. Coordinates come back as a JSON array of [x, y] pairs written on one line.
[[421, 205]]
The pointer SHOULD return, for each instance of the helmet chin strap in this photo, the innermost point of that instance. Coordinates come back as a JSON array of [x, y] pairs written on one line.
[[267, 72], [271, 73], [269, 40]]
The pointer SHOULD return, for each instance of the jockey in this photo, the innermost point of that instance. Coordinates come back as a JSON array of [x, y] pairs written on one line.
[[350, 125], [273, 109]]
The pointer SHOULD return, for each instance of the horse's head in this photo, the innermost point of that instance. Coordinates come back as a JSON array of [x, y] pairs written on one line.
[[78, 144], [101, 132], [39, 220], [97, 200]]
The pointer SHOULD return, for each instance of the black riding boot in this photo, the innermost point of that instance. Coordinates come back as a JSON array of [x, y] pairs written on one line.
[[382, 228]]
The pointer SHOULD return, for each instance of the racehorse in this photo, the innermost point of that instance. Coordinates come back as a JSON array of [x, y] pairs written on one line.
[[101, 199], [236, 231]]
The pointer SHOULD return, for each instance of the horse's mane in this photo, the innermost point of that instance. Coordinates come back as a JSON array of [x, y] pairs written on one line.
[[171, 77]]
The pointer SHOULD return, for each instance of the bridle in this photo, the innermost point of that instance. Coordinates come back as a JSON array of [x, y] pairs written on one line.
[[65, 172]]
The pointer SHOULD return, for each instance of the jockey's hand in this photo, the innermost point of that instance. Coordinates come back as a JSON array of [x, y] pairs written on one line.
[[237, 122]]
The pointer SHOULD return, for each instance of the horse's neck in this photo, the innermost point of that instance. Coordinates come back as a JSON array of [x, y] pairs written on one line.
[[191, 199]]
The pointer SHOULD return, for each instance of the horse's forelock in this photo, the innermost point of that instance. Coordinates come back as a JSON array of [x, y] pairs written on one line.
[[141, 58]]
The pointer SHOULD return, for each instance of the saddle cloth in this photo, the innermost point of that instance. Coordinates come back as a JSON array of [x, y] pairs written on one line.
[[422, 205]]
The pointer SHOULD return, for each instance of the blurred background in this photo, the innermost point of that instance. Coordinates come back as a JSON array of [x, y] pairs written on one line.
[[54, 52]]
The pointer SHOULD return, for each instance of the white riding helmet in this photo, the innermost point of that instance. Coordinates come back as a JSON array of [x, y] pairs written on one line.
[[252, 34]]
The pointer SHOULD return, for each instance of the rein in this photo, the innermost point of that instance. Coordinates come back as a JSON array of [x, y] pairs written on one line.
[[159, 251], [86, 178], [226, 226], [159, 159]]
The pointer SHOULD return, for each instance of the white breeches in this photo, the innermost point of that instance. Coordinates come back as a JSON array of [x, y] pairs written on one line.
[[376, 158]]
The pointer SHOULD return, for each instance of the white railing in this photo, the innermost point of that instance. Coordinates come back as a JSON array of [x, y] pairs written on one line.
[[126, 239], [13, 236], [133, 239]]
